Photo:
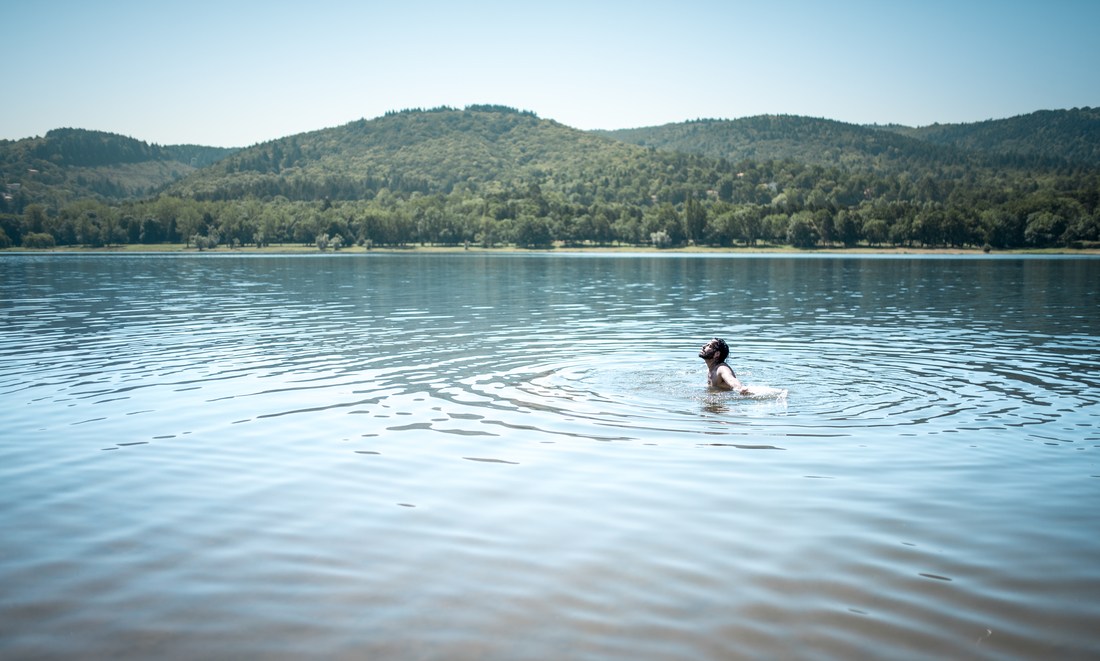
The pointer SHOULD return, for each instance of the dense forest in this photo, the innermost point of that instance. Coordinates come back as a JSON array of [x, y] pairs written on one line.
[[492, 175], [1045, 139], [68, 165]]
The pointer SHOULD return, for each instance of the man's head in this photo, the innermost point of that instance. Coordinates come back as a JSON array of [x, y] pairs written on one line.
[[716, 349]]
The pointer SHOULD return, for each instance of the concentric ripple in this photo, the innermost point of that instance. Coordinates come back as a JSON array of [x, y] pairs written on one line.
[[612, 362]]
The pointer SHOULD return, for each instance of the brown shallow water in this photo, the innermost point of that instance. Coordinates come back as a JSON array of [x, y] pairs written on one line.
[[513, 457]]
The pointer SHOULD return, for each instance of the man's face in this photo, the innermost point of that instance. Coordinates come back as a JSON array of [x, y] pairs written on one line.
[[709, 350]]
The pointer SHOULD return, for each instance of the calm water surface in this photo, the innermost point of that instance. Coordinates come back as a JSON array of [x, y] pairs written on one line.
[[514, 457]]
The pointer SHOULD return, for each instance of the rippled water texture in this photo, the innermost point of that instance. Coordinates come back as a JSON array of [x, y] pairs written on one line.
[[514, 457]]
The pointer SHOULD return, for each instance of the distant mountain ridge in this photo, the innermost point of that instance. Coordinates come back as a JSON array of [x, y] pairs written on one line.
[[80, 147], [439, 149], [67, 164], [1069, 136], [1049, 138], [776, 137], [419, 151]]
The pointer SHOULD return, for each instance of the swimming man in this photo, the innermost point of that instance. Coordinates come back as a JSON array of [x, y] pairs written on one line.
[[719, 374]]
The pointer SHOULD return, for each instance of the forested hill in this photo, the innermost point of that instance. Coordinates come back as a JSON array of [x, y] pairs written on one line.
[[1055, 136], [1045, 139], [479, 150], [805, 140], [493, 175], [68, 164]]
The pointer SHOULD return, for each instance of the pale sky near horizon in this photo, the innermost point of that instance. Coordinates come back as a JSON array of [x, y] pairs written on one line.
[[235, 73]]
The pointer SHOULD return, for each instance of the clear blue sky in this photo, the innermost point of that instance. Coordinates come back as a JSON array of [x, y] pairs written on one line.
[[234, 73]]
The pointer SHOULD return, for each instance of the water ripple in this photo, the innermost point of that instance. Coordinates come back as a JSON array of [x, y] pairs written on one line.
[[516, 457]]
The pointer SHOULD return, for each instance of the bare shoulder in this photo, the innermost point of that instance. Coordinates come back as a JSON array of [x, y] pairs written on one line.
[[724, 373], [720, 378], [728, 379]]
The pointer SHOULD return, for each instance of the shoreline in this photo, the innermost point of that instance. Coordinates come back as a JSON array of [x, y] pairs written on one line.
[[180, 248]]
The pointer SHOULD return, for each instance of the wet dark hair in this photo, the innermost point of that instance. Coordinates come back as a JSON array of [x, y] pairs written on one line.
[[723, 348]]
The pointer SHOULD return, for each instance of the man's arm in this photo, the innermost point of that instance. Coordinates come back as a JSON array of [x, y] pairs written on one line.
[[730, 381]]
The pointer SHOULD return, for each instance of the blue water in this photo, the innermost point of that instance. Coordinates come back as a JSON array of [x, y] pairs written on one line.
[[476, 456]]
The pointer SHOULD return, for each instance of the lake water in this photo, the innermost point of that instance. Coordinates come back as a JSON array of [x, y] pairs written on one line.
[[471, 456]]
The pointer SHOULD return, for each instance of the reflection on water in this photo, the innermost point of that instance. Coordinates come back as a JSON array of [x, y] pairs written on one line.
[[514, 457]]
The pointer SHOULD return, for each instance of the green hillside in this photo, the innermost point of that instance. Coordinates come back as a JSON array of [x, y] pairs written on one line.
[[1044, 139], [71, 164], [1069, 137], [786, 137], [479, 150], [492, 175]]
